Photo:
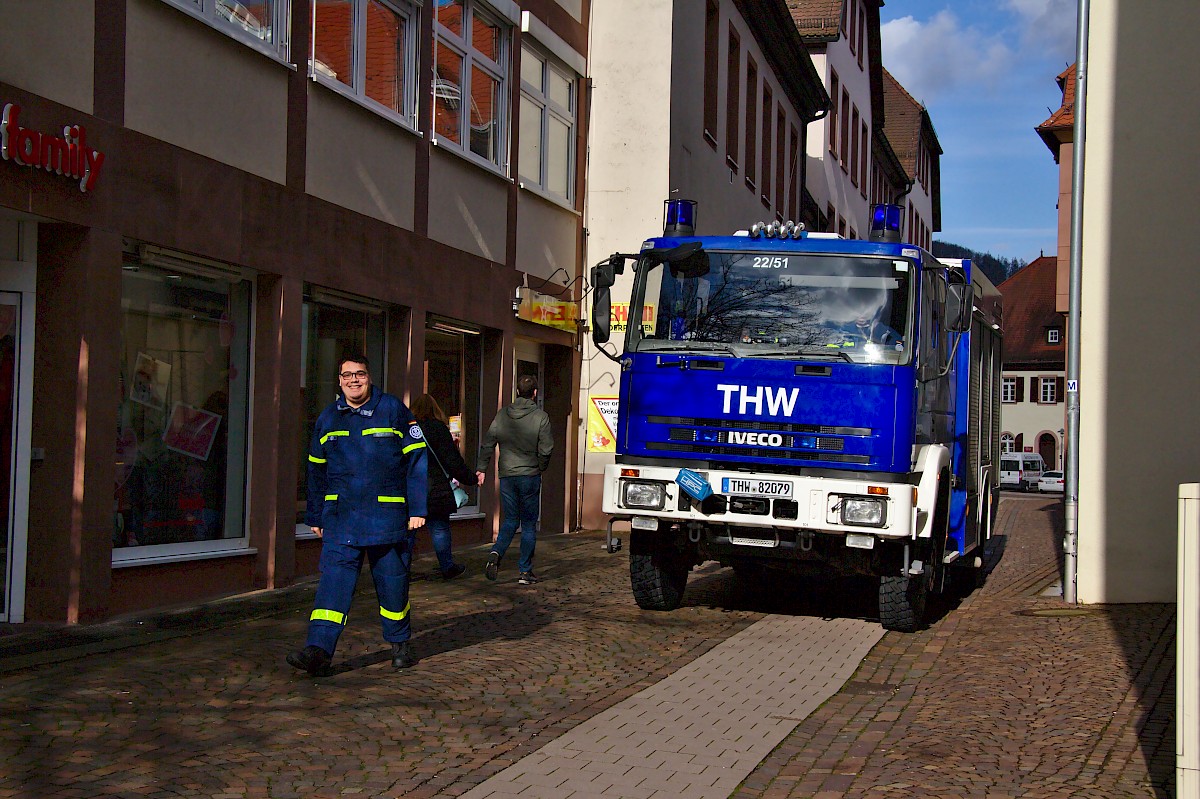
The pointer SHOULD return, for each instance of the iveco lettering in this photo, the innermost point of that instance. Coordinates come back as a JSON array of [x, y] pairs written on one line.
[[798, 404]]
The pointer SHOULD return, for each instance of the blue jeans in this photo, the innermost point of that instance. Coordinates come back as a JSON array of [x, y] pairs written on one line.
[[520, 501], [439, 531]]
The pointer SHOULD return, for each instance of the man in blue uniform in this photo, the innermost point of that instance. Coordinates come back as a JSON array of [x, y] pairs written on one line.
[[366, 496]]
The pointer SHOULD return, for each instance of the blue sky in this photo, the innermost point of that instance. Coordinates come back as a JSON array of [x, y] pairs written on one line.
[[985, 69]]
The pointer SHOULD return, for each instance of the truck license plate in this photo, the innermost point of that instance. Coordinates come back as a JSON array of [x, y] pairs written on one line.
[[755, 488], [644, 523]]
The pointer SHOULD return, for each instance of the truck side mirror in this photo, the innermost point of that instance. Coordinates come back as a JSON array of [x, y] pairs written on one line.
[[960, 302], [604, 275]]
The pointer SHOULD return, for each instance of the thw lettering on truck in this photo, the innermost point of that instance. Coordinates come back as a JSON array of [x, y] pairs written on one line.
[[777, 401]]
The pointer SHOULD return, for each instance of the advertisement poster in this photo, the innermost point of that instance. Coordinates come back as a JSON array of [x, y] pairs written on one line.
[[151, 378], [455, 425], [191, 431], [602, 424]]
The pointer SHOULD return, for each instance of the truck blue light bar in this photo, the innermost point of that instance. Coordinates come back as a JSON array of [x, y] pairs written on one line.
[[885, 222], [679, 218]]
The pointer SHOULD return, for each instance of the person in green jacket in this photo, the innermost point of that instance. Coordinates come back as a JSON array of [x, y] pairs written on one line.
[[522, 430]]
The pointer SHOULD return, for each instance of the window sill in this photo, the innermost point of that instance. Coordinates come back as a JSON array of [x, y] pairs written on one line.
[[470, 158], [274, 53], [381, 111], [732, 164], [711, 139], [548, 197], [180, 557]]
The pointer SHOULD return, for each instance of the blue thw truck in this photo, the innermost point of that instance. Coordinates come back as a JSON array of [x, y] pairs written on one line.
[[802, 404]]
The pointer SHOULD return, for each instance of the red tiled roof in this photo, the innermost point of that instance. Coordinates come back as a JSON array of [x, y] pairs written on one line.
[[1029, 312], [817, 20], [902, 122], [1060, 127]]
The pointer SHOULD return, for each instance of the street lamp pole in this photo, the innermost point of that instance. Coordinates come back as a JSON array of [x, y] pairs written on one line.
[[1071, 477]]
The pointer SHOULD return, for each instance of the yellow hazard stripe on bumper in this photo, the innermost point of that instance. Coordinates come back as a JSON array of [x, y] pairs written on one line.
[[391, 499], [393, 615], [315, 459], [411, 447], [320, 614], [333, 433]]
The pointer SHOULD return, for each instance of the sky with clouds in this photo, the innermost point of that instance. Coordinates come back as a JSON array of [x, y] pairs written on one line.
[[985, 69]]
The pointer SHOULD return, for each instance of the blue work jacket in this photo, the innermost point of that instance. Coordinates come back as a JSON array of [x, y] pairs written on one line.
[[366, 471]]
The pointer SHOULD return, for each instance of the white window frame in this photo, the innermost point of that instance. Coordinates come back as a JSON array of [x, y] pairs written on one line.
[[356, 91], [1008, 390], [1008, 443], [540, 96], [275, 46], [1052, 335], [1046, 388], [472, 60]]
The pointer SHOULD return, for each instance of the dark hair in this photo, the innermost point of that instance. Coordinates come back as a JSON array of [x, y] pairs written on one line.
[[426, 407], [526, 385], [354, 357]]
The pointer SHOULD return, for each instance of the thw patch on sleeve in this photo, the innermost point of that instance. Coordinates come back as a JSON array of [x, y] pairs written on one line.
[[415, 432]]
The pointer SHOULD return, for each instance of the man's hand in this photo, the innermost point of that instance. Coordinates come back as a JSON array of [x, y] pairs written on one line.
[[318, 531], [415, 521], [480, 476]]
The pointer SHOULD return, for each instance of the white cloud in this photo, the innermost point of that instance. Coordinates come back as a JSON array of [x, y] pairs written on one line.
[[940, 55], [1048, 24]]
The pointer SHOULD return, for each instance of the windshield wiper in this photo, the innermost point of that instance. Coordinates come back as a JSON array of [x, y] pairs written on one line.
[[795, 352]]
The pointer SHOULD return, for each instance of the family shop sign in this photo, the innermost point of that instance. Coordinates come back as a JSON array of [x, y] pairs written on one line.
[[69, 155]]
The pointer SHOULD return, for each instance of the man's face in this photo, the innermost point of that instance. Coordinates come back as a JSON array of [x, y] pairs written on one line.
[[355, 382]]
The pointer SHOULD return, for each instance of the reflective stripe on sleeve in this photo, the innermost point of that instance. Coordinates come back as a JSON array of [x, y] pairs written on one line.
[[315, 459], [411, 447], [391, 499], [330, 497], [333, 433], [370, 431], [393, 615], [321, 614]]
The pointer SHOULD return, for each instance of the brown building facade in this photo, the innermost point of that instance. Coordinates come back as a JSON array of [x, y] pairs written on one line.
[[203, 205]]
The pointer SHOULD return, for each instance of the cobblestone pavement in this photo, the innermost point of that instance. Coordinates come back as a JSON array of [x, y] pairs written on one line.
[[995, 701], [987, 702]]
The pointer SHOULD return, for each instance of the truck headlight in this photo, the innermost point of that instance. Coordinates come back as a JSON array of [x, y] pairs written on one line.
[[638, 494], [864, 511]]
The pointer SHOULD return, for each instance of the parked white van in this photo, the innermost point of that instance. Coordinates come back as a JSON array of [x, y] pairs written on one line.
[[1021, 470]]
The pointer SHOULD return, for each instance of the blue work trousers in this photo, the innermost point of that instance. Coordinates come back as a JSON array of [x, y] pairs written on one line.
[[340, 566], [520, 503]]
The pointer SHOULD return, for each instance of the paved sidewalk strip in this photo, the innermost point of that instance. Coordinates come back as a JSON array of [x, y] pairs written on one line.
[[698, 733]]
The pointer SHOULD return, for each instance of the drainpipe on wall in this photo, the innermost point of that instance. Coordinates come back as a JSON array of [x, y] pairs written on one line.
[[1071, 478]]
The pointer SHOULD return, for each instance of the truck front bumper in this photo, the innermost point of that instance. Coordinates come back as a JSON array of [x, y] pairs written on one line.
[[859, 509]]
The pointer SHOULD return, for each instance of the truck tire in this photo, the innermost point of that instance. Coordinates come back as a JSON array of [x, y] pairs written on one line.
[[657, 571], [902, 601]]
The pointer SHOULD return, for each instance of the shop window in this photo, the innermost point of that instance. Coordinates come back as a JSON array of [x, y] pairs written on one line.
[[333, 325], [260, 23], [470, 84], [366, 49], [547, 141], [181, 436], [453, 375]]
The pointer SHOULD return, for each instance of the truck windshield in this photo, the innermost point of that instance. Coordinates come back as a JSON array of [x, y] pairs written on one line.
[[757, 304]]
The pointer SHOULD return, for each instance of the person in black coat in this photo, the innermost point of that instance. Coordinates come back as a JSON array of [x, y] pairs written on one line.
[[443, 451]]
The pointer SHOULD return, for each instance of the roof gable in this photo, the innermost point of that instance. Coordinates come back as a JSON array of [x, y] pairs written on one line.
[[1029, 313]]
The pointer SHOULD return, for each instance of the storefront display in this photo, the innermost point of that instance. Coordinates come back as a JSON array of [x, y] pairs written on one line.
[[181, 436]]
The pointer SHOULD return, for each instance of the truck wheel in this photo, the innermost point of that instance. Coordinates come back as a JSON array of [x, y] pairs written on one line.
[[902, 601], [657, 571]]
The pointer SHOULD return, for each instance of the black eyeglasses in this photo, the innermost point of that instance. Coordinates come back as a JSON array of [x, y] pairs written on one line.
[[352, 375]]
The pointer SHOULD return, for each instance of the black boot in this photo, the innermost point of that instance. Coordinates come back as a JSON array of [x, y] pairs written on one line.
[[312, 659], [402, 655]]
